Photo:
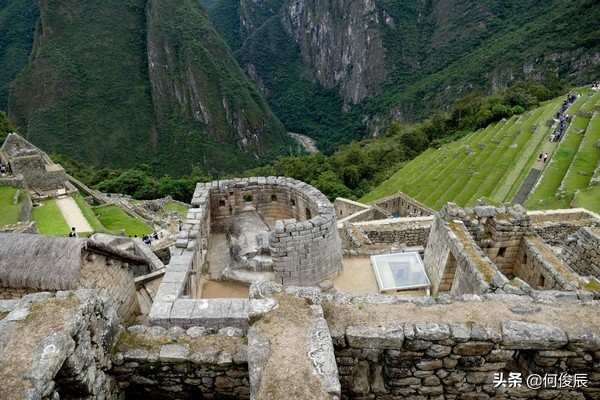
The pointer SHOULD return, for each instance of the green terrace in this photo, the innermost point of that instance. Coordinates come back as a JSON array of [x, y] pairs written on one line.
[[9, 212], [574, 160], [492, 163]]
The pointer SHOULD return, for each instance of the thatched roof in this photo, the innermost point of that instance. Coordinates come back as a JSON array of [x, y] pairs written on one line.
[[49, 263]]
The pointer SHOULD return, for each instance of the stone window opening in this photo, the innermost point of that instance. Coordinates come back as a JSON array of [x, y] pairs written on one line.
[[293, 202], [221, 203], [247, 197], [541, 281], [502, 252], [273, 197], [308, 213]]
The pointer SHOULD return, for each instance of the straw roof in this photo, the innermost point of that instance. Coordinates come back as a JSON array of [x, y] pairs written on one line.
[[49, 263]]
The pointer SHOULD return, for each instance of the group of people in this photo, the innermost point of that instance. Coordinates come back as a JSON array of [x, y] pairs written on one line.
[[4, 170], [563, 119], [148, 239], [560, 129], [542, 156], [596, 85]]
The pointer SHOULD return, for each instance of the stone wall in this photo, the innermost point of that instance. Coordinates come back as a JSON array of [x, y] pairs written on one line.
[[403, 205], [14, 181], [421, 361], [37, 173], [305, 244], [345, 207], [197, 363], [57, 346], [554, 226], [273, 198], [25, 212], [111, 279], [454, 262], [174, 303], [409, 231], [582, 252], [540, 268], [7, 293]]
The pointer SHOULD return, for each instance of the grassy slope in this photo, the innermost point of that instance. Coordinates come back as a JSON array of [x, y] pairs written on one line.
[[9, 212], [493, 169], [544, 194], [176, 207], [114, 219], [49, 220]]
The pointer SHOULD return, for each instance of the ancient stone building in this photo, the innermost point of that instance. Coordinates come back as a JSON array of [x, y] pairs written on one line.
[[41, 174], [514, 315], [35, 263]]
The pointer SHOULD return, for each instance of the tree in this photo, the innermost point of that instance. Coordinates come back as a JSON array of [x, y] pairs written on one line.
[[6, 126], [133, 182]]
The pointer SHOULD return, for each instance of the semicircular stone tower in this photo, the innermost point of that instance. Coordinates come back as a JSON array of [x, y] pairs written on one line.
[[303, 238]]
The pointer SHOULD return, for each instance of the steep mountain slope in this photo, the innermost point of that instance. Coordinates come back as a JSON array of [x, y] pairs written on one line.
[[17, 26], [122, 83], [373, 60]]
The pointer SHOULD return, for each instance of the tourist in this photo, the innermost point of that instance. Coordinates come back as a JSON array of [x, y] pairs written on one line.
[[540, 156], [73, 233], [545, 157]]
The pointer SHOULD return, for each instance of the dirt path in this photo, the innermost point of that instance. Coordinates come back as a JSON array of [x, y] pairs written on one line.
[[73, 215]]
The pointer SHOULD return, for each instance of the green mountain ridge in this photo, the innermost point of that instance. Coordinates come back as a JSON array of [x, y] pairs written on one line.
[[371, 62], [121, 83]]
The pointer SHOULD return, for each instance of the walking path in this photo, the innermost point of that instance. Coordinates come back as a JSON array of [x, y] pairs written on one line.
[[539, 165], [73, 215]]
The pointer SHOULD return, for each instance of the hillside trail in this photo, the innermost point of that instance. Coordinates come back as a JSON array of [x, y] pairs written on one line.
[[73, 215], [536, 169]]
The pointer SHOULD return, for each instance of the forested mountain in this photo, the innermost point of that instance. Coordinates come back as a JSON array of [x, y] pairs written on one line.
[[151, 81], [125, 82], [336, 70]]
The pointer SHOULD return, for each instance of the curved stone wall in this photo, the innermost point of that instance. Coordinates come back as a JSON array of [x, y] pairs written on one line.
[[306, 247]]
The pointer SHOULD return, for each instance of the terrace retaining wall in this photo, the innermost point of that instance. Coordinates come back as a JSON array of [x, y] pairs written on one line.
[[582, 252]]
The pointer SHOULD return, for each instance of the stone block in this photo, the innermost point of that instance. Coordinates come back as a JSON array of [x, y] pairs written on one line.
[[523, 335], [174, 352], [431, 331], [388, 336], [473, 348]]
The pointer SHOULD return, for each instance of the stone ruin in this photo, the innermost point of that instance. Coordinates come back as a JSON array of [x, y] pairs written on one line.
[[516, 294], [42, 176]]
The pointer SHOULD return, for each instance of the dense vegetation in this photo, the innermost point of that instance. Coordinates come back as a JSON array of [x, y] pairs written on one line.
[[434, 53], [354, 169], [17, 27], [6, 126], [121, 83]]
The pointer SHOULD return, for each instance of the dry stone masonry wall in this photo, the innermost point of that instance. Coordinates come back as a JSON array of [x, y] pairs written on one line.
[[176, 363], [305, 246], [403, 205], [582, 252]]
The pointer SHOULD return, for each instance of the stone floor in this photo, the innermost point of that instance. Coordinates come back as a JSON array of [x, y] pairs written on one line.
[[358, 278]]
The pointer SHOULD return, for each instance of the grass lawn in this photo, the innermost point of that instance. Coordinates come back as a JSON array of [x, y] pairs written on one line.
[[114, 220], [50, 220], [544, 195], [181, 210], [9, 212], [88, 213], [588, 199]]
